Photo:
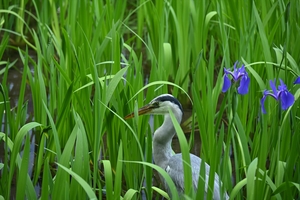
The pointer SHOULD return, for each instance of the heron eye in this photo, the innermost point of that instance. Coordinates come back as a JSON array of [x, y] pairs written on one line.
[[156, 104]]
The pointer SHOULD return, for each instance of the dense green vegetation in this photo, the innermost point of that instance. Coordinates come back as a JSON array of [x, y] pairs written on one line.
[[90, 63]]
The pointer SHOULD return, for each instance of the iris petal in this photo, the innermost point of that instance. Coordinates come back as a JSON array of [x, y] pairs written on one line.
[[226, 84], [282, 86], [227, 72], [273, 87], [242, 72], [287, 99], [282, 94], [262, 103], [244, 85], [297, 81], [235, 71]]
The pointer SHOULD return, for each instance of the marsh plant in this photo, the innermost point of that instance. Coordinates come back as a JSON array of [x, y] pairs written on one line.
[[87, 64]]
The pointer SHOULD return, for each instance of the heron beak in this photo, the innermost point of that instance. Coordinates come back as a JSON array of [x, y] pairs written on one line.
[[144, 110]]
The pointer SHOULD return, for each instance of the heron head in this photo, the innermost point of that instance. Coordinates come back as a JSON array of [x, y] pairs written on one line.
[[160, 106]]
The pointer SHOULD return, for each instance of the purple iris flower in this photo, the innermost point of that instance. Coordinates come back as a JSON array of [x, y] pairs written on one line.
[[282, 95], [237, 74], [297, 81]]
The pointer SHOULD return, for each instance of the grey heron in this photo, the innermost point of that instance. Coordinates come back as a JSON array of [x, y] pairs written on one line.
[[162, 151]]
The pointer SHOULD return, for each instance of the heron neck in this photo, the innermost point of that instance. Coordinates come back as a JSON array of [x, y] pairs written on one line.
[[162, 139]]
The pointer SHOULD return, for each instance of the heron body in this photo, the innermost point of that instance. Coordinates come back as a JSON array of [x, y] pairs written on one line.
[[162, 151]]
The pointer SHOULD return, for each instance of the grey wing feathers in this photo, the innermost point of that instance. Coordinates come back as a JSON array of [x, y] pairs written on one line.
[[175, 170]]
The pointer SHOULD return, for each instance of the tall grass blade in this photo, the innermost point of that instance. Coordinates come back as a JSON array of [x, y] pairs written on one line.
[[15, 159], [130, 193], [164, 174], [118, 175], [61, 187], [186, 162], [80, 164], [88, 189], [108, 179], [46, 182], [21, 184], [251, 176]]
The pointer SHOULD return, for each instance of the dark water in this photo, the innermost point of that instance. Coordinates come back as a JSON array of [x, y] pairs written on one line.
[[13, 85]]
